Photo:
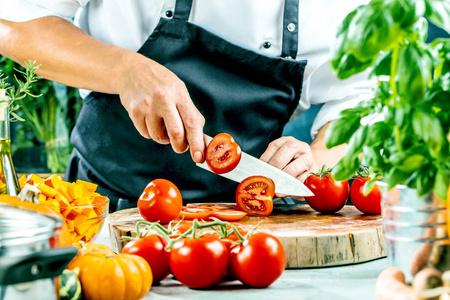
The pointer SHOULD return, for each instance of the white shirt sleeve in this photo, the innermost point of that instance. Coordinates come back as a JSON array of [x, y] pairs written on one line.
[[323, 86], [26, 10]]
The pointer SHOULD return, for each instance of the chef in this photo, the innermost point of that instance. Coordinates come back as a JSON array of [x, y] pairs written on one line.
[[156, 75]]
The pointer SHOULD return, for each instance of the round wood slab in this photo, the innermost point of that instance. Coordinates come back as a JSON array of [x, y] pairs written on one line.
[[309, 239]]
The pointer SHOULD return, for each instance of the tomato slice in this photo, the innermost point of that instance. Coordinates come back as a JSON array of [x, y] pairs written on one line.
[[254, 195], [223, 153], [229, 215], [218, 206], [195, 212]]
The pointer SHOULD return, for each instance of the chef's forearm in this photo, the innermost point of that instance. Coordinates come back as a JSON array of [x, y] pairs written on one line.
[[321, 154], [66, 54]]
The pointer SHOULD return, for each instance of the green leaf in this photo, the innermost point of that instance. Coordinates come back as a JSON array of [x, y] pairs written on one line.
[[441, 184], [377, 134], [383, 64], [407, 162], [407, 12], [396, 176], [345, 168], [356, 143], [372, 157], [425, 181], [414, 73], [347, 65], [341, 130], [438, 12], [428, 127]]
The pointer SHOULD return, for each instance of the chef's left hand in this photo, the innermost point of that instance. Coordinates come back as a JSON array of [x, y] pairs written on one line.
[[292, 156]]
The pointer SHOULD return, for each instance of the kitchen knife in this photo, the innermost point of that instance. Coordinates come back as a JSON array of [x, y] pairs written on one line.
[[251, 166]]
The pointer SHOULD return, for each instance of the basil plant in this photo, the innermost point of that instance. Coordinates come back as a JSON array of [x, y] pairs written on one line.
[[403, 132]]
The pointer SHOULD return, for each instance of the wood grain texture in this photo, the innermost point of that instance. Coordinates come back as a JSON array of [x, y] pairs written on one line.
[[309, 239]]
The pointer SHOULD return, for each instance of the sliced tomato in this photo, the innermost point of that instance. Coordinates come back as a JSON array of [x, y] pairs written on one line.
[[229, 215], [254, 195], [195, 212], [219, 206], [223, 153]]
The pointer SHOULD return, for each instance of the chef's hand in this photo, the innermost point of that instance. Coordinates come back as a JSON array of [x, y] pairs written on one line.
[[161, 109], [292, 156]]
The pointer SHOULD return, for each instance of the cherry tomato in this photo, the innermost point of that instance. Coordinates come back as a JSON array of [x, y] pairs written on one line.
[[229, 215], [195, 212], [199, 262], [160, 202], [223, 153], [152, 249], [370, 203], [329, 195], [258, 261], [254, 195]]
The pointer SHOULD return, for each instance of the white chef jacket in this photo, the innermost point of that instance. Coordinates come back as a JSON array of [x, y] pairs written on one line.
[[247, 23]]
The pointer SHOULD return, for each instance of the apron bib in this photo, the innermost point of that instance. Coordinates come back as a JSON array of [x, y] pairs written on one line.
[[240, 92]]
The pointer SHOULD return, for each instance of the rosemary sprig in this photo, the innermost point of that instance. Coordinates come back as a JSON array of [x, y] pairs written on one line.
[[23, 89]]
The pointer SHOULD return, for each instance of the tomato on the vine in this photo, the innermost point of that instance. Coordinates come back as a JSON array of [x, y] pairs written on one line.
[[329, 195], [223, 153], [160, 202], [258, 261], [254, 195], [199, 262], [370, 203], [152, 249]]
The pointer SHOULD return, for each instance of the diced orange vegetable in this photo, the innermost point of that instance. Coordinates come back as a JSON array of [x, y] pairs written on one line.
[[64, 192], [89, 185], [63, 202], [78, 191], [53, 181], [70, 225], [34, 179], [99, 199], [70, 213], [82, 201], [42, 197], [46, 190], [22, 181]]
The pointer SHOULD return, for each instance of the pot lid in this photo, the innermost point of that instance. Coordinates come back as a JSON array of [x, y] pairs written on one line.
[[21, 226]]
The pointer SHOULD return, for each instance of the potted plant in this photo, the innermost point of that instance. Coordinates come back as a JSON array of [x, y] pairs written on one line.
[[402, 134]]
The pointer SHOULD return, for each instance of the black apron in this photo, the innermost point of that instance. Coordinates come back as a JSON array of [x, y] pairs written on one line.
[[240, 92]]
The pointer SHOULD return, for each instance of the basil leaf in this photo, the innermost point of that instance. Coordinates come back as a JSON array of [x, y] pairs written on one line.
[[407, 12], [341, 130], [396, 176], [414, 71], [345, 168], [347, 65], [377, 133], [438, 12], [441, 184], [427, 126], [383, 64], [408, 162], [425, 181], [356, 143], [372, 157]]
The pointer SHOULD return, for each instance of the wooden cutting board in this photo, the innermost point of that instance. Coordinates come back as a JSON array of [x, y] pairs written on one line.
[[309, 239]]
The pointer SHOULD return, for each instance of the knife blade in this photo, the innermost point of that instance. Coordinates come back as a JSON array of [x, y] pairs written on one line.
[[252, 166]]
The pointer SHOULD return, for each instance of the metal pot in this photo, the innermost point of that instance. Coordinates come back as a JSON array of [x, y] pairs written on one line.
[[415, 229], [28, 263]]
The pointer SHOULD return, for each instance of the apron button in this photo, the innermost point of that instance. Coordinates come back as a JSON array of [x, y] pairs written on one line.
[[291, 27], [267, 44], [169, 13]]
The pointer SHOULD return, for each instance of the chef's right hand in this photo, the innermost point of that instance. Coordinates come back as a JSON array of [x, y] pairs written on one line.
[[161, 109]]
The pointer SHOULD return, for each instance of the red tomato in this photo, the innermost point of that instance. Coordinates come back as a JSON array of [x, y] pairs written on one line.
[[160, 202], [370, 203], [199, 262], [152, 249], [223, 153], [258, 261], [229, 215], [254, 195], [329, 195], [219, 206], [195, 212]]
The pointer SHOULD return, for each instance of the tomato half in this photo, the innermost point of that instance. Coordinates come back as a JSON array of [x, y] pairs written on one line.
[[219, 206], [161, 201], [258, 261], [223, 153], [229, 215], [152, 249], [254, 195], [195, 212], [199, 262], [370, 203], [329, 195]]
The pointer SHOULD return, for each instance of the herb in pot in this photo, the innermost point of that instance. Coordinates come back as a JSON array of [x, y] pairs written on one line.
[[403, 132]]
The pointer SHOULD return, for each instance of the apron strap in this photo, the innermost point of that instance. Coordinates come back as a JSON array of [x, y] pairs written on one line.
[[182, 9], [290, 24], [290, 29]]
